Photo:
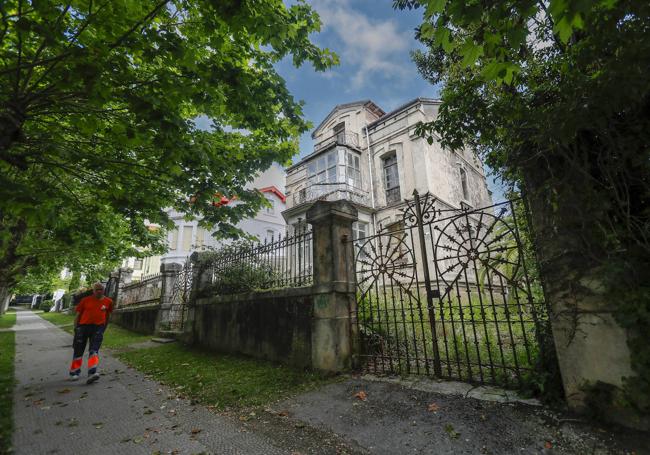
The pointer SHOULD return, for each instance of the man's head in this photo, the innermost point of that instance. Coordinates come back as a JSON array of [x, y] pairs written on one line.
[[98, 290]]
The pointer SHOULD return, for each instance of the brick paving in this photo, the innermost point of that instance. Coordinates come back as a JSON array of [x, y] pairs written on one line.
[[123, 412]]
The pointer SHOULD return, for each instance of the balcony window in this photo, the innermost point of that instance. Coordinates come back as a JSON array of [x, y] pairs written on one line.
[[353, 170], [323, 169], [391, 179], [137, 265], [360, 231]]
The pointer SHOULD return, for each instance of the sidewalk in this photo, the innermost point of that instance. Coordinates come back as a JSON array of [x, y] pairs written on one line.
[[122, 413]]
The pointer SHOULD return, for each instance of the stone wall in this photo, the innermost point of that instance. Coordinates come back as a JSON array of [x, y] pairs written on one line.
[[140, 319], [274, 325]]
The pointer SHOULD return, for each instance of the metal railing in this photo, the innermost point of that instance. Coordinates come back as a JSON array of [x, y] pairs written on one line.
[[344, 138], [144, 292], [242, 267], [331, 192]]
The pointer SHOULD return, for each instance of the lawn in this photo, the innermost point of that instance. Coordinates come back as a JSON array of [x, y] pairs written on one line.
[[7, 320], [221, 381], [115, 337], [7, 349]]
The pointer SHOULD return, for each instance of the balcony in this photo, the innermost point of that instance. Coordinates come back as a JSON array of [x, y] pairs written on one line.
[[331, 192], [343, 138]]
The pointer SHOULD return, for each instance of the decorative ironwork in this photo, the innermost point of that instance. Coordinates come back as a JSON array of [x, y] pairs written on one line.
[[390, 256], [180, 298], [275, 263], [449, 295]]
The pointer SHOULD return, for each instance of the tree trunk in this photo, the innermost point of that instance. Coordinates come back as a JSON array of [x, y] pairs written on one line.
[[5, 297]]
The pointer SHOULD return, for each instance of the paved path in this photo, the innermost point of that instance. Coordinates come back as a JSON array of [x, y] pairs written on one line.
[[123, 413]]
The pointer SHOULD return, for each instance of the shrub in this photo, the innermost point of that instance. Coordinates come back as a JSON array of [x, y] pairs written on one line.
[[46, 305]]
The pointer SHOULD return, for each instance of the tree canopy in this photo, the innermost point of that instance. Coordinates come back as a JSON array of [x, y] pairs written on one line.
[[555, 95], [97, 106]]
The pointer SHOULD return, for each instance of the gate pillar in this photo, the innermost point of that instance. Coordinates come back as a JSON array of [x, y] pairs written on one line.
[[333, 331], [169, 273]]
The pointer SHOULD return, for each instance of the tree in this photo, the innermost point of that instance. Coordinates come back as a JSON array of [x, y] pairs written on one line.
[[97, 108], [555, 96]]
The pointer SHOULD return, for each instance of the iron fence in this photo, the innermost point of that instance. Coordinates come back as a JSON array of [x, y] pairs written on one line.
[[147, 291], [275, 263], [449, 294]]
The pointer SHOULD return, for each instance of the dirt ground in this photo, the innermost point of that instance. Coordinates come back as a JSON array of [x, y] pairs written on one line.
[[389, 418]]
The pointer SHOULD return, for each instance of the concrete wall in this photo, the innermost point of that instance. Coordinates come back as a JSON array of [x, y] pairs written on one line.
[[141, 319], [273, 325]]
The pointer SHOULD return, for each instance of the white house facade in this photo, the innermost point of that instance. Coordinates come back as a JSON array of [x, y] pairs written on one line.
[[375, 160], [188, 236]]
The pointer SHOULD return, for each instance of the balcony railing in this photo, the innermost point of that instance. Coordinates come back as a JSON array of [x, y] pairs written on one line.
[[331, 192], [344, 138]]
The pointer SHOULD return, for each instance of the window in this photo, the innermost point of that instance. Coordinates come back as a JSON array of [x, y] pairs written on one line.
[[187, 238], [339, 128], [353, 170], [359, 230], [200, 238], [137, 265], [270, 235], [463, 182], [322, 169], [173, 239], [391, 179], [270, 210]]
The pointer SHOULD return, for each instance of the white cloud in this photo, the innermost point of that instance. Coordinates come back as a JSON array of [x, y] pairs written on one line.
[[369, 46]]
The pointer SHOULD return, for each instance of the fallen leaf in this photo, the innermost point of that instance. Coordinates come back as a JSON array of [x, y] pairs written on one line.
[[283, 413], [196, 430], [361, 395], [548, 445], [66, 390], [148, 411], [432, 407], [451, 432]]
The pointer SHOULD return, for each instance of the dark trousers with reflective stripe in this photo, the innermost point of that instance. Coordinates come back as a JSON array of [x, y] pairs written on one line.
[[86, 334]]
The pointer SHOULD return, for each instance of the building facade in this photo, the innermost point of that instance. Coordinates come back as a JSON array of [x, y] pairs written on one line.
[[188, 237], [268, 224], [376, 161]]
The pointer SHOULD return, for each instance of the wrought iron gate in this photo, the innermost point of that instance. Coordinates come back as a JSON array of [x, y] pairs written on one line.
[[447, 292]]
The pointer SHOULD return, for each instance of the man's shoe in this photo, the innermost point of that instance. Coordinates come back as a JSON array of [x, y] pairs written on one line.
[[92, 378], [74, 377]]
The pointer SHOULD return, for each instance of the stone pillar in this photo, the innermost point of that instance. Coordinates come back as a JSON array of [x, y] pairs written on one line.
[[333, 331], [124, 277], [169, 272]]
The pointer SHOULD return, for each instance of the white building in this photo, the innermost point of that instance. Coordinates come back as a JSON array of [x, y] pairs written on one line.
[[375, 160], [188, 236]]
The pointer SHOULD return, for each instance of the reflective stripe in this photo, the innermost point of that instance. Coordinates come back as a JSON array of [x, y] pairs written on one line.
[[76, 364], [93, 361]]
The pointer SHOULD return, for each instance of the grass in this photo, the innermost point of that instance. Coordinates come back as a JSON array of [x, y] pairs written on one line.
[[7, 350], [220, 381], [115, 337], [7, 320], [481, 336]]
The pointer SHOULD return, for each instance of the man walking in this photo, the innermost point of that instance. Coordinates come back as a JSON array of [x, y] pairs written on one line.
[[93, 313]]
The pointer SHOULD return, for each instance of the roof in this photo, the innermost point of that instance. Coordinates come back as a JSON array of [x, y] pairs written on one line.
[[402, 108], [372, 107], [269, 189]]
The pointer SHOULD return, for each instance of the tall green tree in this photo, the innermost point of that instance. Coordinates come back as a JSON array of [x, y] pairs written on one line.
[[97, 106], [555, 95]]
